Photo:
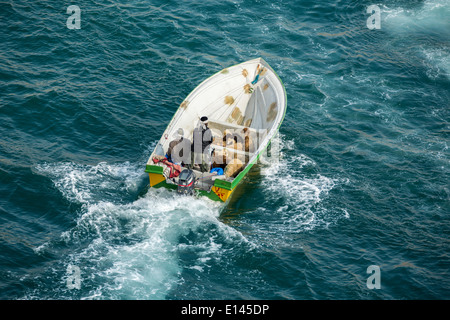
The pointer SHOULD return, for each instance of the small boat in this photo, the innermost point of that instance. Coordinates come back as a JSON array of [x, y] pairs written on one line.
[[219, 131]]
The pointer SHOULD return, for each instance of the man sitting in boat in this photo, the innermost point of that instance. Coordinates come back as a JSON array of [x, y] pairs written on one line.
[[202, 139], [179, 151]]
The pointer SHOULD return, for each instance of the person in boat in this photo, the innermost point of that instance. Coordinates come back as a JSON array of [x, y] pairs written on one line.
[[179, 151], [202, 139]]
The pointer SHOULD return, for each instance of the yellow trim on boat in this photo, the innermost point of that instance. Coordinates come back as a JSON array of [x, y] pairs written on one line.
[[156, 178], [223, 194]]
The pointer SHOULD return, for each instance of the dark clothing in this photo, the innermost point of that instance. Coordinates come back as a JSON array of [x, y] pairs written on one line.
[[202, 138], [179, 151]]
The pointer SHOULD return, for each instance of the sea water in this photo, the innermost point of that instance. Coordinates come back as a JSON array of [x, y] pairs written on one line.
[[360, 177]]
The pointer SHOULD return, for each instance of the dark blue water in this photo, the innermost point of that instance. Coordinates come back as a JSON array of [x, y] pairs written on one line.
[[361, 177]]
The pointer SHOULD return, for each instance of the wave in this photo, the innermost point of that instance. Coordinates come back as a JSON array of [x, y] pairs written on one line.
[[427, 26], [85, 184], [437, 62], [139, 249], [128, 250], [431, 16], [295, 194]]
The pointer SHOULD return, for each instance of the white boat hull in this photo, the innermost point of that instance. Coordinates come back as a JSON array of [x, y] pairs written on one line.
[[247, 100]]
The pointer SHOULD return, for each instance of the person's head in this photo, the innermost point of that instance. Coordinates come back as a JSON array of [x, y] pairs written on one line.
[[179, 134], [204, 121]]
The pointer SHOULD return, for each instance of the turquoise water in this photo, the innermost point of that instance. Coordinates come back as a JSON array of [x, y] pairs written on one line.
[[361, 177]]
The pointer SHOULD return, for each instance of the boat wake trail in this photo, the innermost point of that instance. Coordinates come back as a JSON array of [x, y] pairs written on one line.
[[296, 193], [418, 23], [131, 246], [127, 249]]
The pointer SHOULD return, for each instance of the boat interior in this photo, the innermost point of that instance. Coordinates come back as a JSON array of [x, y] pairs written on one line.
[[233, 145]]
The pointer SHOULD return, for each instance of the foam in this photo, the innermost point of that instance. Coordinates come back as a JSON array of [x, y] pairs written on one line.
[[297, 193], [139, 249], [134, 249], [90, 183], [131, 250], [431, 19], [431, 16], [437, 62]]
